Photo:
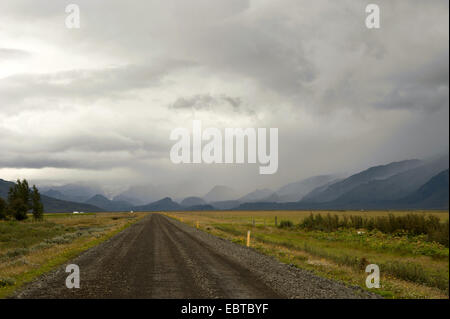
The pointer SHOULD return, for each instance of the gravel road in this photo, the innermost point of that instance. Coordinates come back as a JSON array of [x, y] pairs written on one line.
[[159, 257]]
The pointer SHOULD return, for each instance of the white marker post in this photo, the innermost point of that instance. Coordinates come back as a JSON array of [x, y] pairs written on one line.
[[248, 239]]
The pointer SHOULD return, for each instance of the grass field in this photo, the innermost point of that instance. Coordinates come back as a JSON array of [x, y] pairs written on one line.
[[410, 266], [29, 248]]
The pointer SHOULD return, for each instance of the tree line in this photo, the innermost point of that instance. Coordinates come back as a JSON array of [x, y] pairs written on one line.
[[20, 201]]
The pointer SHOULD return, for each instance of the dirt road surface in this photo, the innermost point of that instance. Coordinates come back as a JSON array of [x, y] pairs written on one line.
[[159, 257]]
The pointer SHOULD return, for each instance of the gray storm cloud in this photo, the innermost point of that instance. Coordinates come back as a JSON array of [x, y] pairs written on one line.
[[98, 103]]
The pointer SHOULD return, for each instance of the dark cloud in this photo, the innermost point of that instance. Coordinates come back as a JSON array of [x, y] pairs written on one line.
[[195, 102], [425, 88], [206, 101], [234, 101]]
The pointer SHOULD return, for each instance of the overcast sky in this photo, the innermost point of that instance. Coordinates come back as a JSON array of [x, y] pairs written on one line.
[[97, 104]]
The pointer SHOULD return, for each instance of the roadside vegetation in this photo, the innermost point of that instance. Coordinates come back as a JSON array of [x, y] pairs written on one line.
[[31, 247], [411, 249]]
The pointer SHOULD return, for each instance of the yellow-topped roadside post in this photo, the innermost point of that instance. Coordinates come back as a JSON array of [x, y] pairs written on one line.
[[248, 239]]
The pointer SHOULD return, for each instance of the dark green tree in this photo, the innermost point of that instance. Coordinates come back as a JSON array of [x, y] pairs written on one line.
[[19, 200], [36, 204]]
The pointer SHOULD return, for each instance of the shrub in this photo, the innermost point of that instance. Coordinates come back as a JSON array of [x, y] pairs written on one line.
[[440, 235], [6, 282], [17, 252], [286, 224]]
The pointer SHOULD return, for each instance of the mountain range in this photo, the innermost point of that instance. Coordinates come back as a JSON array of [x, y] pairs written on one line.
[[409, 184]]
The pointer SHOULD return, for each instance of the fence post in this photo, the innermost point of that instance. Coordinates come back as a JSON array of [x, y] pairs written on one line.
[[276, 221], [248, 238]]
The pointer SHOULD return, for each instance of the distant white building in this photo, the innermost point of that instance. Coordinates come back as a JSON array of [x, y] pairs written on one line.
[[75, 212]]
